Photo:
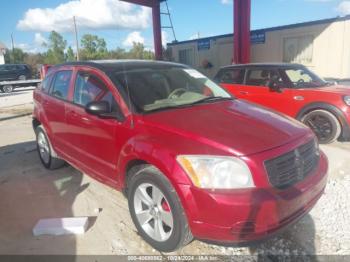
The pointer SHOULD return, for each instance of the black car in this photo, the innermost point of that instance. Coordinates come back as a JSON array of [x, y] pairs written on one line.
[[10, 72]]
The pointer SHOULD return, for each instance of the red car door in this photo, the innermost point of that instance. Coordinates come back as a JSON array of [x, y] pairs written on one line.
[[93, 140], [255, 89], [55, 108]]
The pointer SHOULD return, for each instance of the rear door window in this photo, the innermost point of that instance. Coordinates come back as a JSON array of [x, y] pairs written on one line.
[[61, 83], [231, 76]]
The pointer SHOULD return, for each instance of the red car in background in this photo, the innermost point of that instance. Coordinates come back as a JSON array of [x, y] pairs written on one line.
[[295, 91]]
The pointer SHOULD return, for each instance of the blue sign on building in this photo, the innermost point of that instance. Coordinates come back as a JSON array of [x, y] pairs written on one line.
[[203, 44], [257, 37]]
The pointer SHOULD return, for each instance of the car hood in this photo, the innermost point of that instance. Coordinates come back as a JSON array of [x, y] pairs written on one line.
[[339, 89], [237, 127]]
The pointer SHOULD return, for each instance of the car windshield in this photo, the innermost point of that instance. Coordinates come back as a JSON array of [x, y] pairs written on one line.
[[304, 78], [165, 87]]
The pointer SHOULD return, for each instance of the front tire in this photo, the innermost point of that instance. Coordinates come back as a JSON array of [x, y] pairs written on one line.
[[156, 210], [324, 124], [45, 150]]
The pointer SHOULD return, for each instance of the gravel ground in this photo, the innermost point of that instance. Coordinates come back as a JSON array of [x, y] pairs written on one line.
[[29, 192], [19, 102]]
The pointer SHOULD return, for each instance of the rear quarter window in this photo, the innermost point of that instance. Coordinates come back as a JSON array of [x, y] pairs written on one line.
[[231, 76], [61, 83], [46, 83]]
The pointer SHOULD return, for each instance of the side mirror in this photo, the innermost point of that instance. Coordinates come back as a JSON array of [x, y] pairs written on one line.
[[102, 109], [98, 108], [273, 85]]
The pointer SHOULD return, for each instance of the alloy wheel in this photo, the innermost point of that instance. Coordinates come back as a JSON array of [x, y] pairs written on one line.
[[153, 212], [44, 150], [321, 126]]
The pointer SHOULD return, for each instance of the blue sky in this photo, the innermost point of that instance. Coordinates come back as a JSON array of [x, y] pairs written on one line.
[[31, 20]]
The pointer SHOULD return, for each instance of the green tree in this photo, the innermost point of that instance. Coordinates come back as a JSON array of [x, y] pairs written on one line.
[[93, 47], [56, 46], [138, 51], [118, 53], [35, 61], [70, 56], [15, 56]]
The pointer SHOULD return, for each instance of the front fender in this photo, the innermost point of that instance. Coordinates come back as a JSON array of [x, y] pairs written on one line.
[[154, 152]]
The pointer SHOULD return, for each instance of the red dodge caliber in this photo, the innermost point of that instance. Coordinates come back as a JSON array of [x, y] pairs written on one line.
[[192, 160]]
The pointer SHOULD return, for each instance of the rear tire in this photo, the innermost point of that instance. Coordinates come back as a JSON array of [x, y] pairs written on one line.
[[164, 225], [7, 88], [45, 150], [324, 124]]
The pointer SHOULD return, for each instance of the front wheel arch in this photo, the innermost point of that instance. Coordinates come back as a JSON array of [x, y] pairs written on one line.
[[328, 108]]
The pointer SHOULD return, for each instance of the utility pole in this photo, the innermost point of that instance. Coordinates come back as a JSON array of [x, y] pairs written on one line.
[[76, 37], [12, 57]]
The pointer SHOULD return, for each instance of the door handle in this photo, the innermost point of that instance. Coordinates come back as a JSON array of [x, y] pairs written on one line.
[[243, 92]]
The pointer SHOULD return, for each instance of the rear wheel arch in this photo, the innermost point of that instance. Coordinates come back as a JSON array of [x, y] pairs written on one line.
[[35, 123]]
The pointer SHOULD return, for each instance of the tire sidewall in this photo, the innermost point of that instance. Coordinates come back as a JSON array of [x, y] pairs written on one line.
[[336, 127], [147, 176], [37, 131]]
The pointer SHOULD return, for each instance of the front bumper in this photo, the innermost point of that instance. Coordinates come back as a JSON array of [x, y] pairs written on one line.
[[247, 215]]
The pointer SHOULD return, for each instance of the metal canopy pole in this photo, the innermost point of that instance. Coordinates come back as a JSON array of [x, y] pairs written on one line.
[[157, 31], [241, 48]]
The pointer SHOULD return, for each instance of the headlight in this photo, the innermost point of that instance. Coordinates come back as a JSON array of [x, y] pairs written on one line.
[[347, 100], [216, 172]]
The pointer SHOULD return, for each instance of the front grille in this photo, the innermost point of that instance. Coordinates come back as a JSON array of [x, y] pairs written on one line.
[[292, 167]]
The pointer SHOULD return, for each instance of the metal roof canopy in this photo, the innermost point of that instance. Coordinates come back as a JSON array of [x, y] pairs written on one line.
[[242, 10], [157, 31]]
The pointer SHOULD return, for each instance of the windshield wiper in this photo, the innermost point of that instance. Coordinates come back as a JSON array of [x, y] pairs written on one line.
[[212, 99], [204, 100]]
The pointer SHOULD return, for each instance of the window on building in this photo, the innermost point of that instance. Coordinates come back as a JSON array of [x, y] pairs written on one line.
[[61, 83], [186, 56], [298, 49]]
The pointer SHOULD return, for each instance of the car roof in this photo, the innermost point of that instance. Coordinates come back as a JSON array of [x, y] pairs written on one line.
[[122, 64], [267, 65]]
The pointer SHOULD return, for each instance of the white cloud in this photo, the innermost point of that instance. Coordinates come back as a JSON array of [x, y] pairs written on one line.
[[27, 48], [165, 38], [133, 37], [195, 36], [90, 14], [344, 8], [226, 2], [39, 39]]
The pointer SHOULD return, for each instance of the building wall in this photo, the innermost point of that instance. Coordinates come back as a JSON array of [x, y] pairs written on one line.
[[327, 44]]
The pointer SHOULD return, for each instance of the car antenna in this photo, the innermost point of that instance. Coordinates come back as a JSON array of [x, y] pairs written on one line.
[[129, 97]]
